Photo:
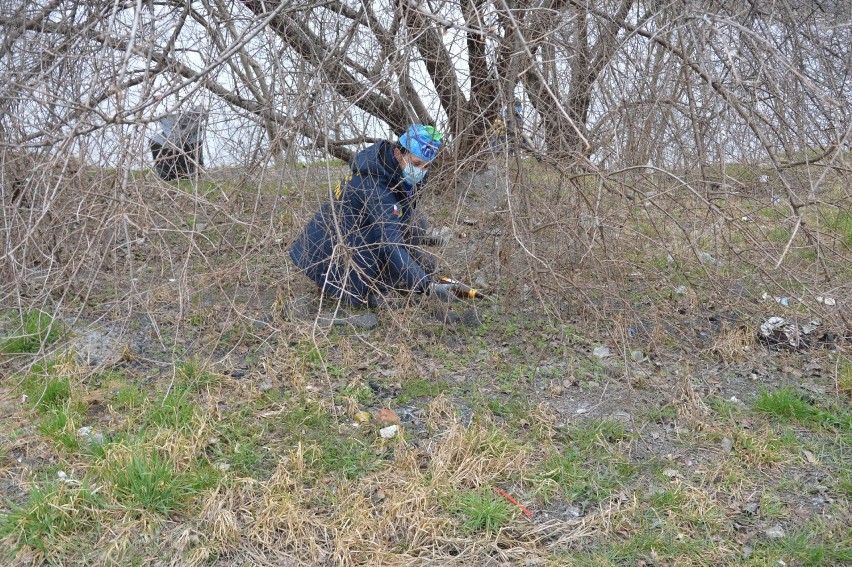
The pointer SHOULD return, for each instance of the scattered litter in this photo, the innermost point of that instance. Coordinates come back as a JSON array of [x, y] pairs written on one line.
[[785, 301], [24, 398], [827, 301], [637, 355], [672, 473], [707, 258], [573, 512], [386, 416], [778, 332], [775, 532], [735, 400], [223, 466], [601, 351], [61, 475], [389, 432], [362, 417], [89, 436], [506, 495], [680, 290], [581, 411]]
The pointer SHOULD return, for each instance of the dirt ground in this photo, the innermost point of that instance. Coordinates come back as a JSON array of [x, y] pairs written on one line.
[[588, 326]]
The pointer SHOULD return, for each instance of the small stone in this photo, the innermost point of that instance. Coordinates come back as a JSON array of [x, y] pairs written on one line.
[[213, 441], [556, 391], [386, 416], [223, 466], [680, 290], [61, 475], [747, 551], [24, 398], [568, 382], [775, 532], [389, 432], [672, 473], [265, 386], [637, 355], [727, 445]]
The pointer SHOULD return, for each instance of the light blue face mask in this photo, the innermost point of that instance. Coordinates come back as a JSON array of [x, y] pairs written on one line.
[[413, 174]]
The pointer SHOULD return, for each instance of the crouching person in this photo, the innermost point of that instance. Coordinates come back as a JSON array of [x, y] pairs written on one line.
[[362, 245]]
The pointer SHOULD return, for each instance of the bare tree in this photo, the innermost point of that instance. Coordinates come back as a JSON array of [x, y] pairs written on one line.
[[688, 88]]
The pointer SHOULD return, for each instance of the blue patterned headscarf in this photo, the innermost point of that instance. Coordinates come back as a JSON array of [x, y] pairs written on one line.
[[422, 141]]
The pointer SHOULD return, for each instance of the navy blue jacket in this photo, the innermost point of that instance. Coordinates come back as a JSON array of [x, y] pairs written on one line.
[[354, 243]]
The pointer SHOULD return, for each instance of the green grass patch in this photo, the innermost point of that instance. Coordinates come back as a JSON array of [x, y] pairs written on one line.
[[175, 410], [243, 444], [841, 223], [482, 510], [145, 480], [420, 388], [50, 515], [844, 379], [327, 448], [788, 405], [37, 329], [588, 465], [784, 405], [61, 423], [779, 234], [194, 374], [575, 478], [594, 435], [808, 550], [358, 392], [128, 397], [46, 391]]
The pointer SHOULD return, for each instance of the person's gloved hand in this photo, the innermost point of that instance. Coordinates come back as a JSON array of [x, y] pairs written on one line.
[[443, 236], [441, 291], [438, 238]]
